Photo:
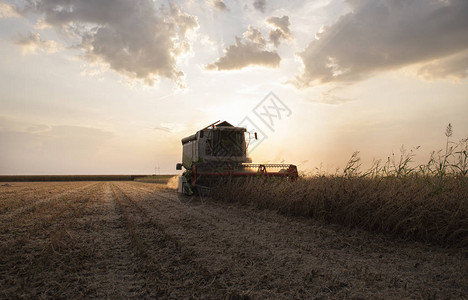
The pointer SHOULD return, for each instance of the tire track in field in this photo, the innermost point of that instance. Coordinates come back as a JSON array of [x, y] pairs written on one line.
[[202, 236], [172, 269], [207, 235], [261, 251], [113, 271]]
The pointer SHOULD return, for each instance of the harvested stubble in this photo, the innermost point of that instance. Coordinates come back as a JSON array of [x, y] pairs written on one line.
[[136, 240], [418, 208], [39, 178]]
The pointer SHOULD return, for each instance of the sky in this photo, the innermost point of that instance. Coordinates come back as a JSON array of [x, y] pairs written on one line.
[[112, 86]]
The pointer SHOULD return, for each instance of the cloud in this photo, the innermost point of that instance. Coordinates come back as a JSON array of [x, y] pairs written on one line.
[[329, 97], [219, 5], [8, 11], [255, 36], [281, 29], [251, 50], [163, 128], [32, 42], [35, 128], [382, 35], [132, 37], [260, 5], [455, 66]]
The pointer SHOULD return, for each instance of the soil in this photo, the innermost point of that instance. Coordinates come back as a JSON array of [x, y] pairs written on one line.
[[141, 240]]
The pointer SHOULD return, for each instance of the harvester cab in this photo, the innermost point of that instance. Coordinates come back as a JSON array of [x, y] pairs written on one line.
[[219, 152]]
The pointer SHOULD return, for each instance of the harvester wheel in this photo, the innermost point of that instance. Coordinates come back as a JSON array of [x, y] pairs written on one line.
[[186, 189]]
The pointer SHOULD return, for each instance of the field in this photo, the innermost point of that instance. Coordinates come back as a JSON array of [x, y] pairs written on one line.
[[133, 239], [36, 178]]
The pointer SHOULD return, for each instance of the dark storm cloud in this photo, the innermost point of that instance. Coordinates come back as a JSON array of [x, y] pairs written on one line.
[[132, 37], [251, 50], [381, 35]]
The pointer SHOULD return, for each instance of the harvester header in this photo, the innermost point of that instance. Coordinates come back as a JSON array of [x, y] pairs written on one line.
[[218, 152]]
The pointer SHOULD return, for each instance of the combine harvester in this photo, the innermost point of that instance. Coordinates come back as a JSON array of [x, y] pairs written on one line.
[[218, 153]]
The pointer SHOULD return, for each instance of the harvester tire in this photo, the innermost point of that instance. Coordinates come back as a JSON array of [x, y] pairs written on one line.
[[186, 189]]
